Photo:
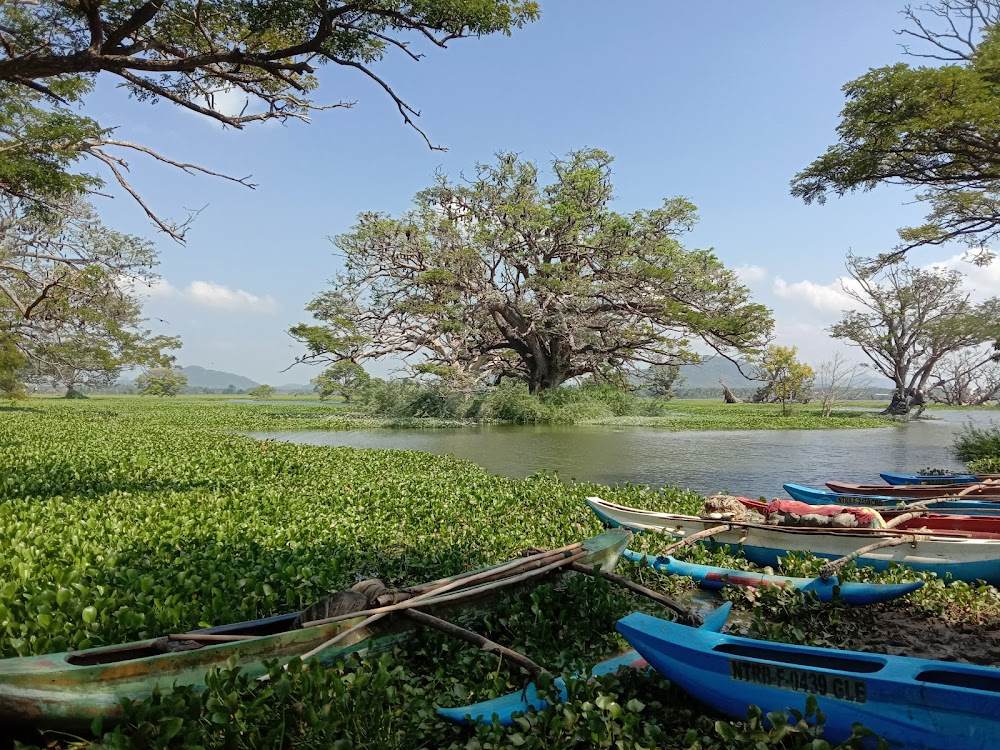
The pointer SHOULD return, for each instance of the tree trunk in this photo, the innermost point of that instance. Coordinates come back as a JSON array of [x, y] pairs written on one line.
[[899, 404], [728, 395]]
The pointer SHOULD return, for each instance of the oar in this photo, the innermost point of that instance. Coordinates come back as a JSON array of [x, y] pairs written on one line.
[[833, 566]]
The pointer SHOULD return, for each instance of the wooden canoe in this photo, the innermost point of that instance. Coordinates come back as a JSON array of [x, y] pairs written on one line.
[[979, 506], [70, 689], [963, 556], [917, 491], [917, 704]]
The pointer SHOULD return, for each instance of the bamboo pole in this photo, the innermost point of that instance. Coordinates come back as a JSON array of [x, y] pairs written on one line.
[[695, 538], [429, 598], [903, 518], [834, 565], [477, 640], [684, 612]]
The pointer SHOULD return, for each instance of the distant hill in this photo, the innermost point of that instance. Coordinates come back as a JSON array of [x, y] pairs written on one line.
[[200, 377], [708, 373]]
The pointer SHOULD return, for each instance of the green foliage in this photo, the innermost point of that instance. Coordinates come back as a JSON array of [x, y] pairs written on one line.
[[975, 443], [260, 391], [502, 277], [12, 370], [161, 381], [345, 379], [787, 380], [929, 127]]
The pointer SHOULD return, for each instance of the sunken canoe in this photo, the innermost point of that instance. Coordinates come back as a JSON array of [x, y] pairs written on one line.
[[918, 491], [963, 556], [713, 577], [71, 689], [824, 497], [918, 704], [506, 708]]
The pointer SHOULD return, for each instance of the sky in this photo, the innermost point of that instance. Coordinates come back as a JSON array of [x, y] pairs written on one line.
[[719, 102]]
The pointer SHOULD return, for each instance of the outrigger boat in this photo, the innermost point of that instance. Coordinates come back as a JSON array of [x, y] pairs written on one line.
[[713, 577], [897, 478], [980, 490], [71, 689], [984, 507], [918, 704], [964, 556]]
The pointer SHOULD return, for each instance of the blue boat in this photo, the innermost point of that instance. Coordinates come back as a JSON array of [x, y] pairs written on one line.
[[918, 704], [507, 707], [712, 577], [895, 478], [825, 497]]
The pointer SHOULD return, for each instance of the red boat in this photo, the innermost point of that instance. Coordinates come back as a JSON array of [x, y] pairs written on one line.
[[918, 491], [942, 523]]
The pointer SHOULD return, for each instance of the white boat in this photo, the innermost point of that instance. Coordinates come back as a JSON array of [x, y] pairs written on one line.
[[965, 556]]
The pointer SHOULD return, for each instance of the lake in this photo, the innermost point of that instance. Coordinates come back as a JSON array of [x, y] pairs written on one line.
[[753, 462]]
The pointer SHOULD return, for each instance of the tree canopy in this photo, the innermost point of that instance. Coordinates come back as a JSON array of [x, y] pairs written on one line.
[[68, 295], [161, 381], [503, 277], [909, 319], [266, 52], [932, 127], [785, 378]]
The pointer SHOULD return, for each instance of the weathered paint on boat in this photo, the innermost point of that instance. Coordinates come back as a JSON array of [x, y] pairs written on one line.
[[896, 478], [506, 707], [964, 558], [824, 497], [917, 491], [72, 688], [712, 577], [918, 704]]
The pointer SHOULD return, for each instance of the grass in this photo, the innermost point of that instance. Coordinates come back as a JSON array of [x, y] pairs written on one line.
[[123, 518]]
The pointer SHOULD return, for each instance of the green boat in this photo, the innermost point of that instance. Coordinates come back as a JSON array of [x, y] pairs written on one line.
[[71, 689]]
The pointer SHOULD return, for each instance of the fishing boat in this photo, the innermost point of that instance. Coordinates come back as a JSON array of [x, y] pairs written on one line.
[[897, 478], [507, 707], [962, 555], [918, 704], [813, 496], [918, 491], [712, 577], [71, 689]]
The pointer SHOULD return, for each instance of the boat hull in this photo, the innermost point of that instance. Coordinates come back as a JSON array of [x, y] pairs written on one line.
[[963, 558], [712, 577], [916, 491], [71, 689], [913, 703], [896, 479], [979, 507]]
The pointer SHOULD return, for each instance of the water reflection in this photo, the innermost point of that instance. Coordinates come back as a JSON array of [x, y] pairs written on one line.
[[748, 462]]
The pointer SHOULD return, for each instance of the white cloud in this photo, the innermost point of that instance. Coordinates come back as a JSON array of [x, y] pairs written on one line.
[[823, 297], [980, 281], [749, 274], [209, 294]]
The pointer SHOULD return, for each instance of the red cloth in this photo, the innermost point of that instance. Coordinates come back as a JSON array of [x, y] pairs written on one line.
[[868, 517]]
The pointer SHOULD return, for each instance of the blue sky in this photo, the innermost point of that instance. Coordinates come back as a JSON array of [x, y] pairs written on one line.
[[720, 102]]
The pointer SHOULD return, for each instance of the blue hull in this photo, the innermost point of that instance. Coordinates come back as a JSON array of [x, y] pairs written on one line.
[[825, 497], [712, 577], [917, 704], [895, 478]]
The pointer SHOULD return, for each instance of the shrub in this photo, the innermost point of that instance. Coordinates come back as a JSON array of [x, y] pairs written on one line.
[[977, 443]]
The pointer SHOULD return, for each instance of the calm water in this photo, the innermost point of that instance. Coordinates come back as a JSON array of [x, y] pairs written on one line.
[[749, 462]]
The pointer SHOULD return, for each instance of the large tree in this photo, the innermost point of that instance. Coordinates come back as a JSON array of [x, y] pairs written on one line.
[[501, 276], [68, 295], [933, 127], [786, 379], [265, 53], [909, 319]]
